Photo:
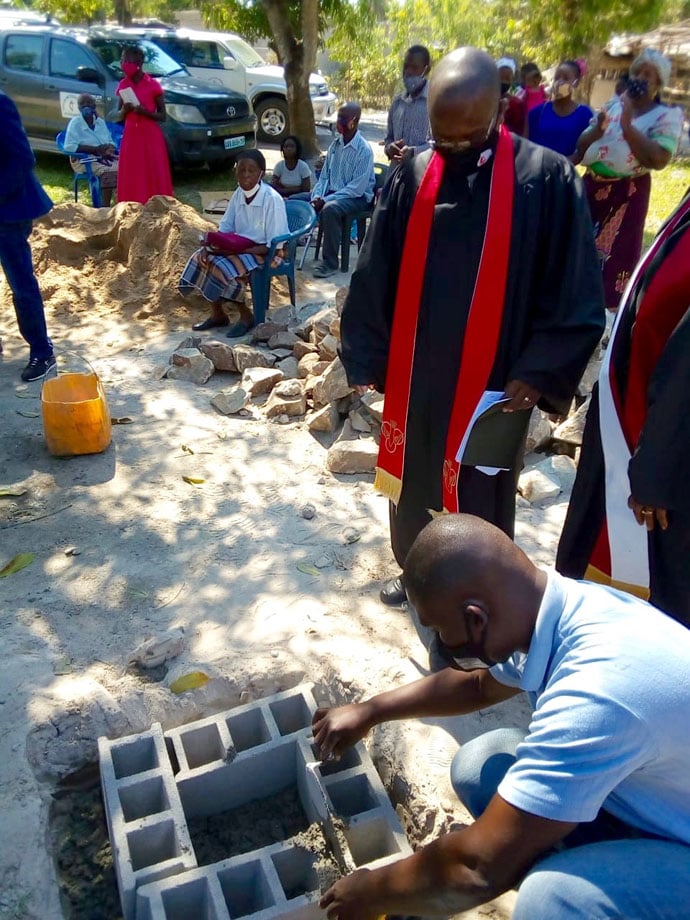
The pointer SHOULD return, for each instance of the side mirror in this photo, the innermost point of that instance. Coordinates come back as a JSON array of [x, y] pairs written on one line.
[[89, 75], [229, 63]]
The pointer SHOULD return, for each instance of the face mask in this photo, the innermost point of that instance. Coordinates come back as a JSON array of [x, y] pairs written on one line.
[[505, 88], [467, 162], [413, 84], [563, 90], [88, 111], [637, 89], [249, 193], [467, 656], [130, 68]]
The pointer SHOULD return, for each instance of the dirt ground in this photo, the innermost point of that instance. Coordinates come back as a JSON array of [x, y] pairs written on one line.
[[124, 549]]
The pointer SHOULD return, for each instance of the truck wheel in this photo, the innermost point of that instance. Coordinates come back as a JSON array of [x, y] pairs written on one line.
[[272, 117]]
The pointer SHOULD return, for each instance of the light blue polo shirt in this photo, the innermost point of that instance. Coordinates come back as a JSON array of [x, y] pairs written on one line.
[[609, 680]]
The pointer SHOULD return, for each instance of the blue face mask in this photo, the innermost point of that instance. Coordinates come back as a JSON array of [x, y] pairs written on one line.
[[88, 111], [413, 84]]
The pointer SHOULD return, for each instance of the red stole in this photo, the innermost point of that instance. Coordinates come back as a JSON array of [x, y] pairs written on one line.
[[481, 332]]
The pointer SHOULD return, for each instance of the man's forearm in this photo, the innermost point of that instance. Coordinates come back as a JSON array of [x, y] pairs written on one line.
[[447, 693]]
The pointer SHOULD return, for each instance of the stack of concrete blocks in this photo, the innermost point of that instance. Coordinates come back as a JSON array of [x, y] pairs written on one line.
[[218, 764]]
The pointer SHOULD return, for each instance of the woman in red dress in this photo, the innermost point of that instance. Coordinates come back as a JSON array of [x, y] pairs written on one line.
[[144, 168]]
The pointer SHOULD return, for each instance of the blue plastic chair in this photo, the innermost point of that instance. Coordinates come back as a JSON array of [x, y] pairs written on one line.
[[94, 183], [301, 219]]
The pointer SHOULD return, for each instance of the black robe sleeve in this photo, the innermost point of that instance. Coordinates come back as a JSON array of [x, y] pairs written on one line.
[[567, 312], [657, 470], [368, 312]]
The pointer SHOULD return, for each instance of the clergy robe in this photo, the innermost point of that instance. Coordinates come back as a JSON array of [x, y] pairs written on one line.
[[552, 319], [658, 468]]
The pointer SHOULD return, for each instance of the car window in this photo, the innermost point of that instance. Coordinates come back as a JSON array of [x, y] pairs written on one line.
[[156, 61], [244, 53], [66, 57], [24, 52], [204, 54]]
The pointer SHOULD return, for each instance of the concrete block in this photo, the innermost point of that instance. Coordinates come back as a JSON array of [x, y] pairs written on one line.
[[154, 783]]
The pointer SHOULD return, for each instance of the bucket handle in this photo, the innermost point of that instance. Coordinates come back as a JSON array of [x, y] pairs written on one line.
[[53, 371]]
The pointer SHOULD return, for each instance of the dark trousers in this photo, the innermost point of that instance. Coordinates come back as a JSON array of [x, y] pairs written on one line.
[[332, 217], [15, 258]]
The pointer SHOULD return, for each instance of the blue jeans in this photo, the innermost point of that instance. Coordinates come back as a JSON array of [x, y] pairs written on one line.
[[605, 870], [15, 258], [332, 218]]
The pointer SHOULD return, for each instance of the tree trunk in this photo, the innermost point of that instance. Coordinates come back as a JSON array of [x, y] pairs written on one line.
[[123, 12], [298, 57]]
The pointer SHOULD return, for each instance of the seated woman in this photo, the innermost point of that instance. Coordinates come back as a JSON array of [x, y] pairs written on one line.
[[219, 271], [88, 133], [291, 175]]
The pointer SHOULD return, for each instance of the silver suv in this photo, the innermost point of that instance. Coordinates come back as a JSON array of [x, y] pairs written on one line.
[[44, 69]]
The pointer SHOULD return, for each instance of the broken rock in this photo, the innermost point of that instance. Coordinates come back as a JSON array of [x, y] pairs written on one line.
[[264, 331], [572, 429], [289, 367], [328, 347], [332, 385], [304, 348], [536, 486], [248, 356], [352, 454], [325, 419], [306, 364], [284, 339], [230, 401], [190, 364], [340, 297], [259, 380], [539, 431], [220, 354], [374, 404], [288, 398]]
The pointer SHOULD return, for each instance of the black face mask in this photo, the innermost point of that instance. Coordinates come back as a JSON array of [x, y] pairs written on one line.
[[466, 162], [505, 88], [637, 89]]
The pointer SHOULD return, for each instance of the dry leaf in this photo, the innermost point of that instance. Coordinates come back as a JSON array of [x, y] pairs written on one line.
[[193, 480], [123, 420], [20, 561], [10, 492], [189, 682], [27, 413], [307, 569], [27, 395], [186, 449]]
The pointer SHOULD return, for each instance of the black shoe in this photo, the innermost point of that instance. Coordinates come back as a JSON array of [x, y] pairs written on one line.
[[37, 368], [210, 323], [393, 593]]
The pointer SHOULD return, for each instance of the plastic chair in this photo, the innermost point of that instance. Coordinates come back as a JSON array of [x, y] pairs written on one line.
[[381, 171], [301, 219], [94, 183]]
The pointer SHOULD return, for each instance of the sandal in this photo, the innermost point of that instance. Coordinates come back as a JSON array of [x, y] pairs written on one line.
[[219, 206]]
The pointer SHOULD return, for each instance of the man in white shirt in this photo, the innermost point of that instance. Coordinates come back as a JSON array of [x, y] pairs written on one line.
[[602, 773], [345, 186], [87, 133]]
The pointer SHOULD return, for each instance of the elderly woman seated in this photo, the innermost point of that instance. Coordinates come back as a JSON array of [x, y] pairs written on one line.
[[88, 133]]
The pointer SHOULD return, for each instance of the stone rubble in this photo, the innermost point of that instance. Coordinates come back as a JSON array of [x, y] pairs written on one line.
[[290, 364]]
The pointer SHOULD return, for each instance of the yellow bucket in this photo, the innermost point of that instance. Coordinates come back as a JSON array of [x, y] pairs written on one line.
[[76, 418]]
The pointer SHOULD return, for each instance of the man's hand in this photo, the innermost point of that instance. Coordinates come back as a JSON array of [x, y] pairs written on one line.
[[362, 388], [627, 113], [335, 730], [602, 120], [351, 898], [317, 204], [394, 150], [522, 396], [650, 517]]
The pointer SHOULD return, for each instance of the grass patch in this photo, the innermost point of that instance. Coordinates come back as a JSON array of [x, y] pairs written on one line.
[[57, 178], [668, 187]]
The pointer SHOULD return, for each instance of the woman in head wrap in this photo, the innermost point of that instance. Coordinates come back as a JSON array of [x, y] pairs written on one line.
[[515, 112], [625, 141]]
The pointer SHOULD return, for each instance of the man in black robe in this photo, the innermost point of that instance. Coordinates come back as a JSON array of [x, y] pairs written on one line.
[[553, 309]]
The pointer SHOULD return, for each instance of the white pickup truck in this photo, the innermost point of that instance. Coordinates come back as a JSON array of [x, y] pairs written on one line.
[[223, 59]]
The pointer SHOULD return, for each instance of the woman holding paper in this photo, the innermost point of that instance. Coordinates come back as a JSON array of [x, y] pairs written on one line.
[[144, 168]]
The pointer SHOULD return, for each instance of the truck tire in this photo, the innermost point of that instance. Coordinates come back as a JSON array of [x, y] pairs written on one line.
[[272, 120]]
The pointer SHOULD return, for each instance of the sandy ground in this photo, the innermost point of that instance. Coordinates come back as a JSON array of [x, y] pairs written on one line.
[[126, 549]]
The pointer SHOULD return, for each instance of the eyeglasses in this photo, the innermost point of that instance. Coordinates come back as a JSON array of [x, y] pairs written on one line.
[[477, 140]]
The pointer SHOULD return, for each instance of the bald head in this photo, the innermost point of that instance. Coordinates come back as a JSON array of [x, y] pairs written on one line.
[[464, 93]]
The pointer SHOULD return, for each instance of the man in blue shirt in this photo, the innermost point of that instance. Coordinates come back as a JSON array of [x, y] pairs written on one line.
[[345, 186], [588, 811], [409, 130], [21, 200]]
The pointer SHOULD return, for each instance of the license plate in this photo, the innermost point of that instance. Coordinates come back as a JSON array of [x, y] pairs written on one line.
[[231, 142]]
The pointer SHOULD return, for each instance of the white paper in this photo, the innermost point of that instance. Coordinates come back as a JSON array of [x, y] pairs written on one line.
[[127, 94], [487, 399]]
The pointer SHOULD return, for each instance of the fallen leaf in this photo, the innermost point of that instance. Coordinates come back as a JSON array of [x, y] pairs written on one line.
[[123, 420], [9, 492], [186, 449], [62, 666], [307, 569], [27, 395], [27, 413], [193, 480], [20, 561], [189, 682]]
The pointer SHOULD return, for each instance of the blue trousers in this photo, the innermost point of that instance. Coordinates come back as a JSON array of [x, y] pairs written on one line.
[[331, 218], [15, 258], [593, 878]]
